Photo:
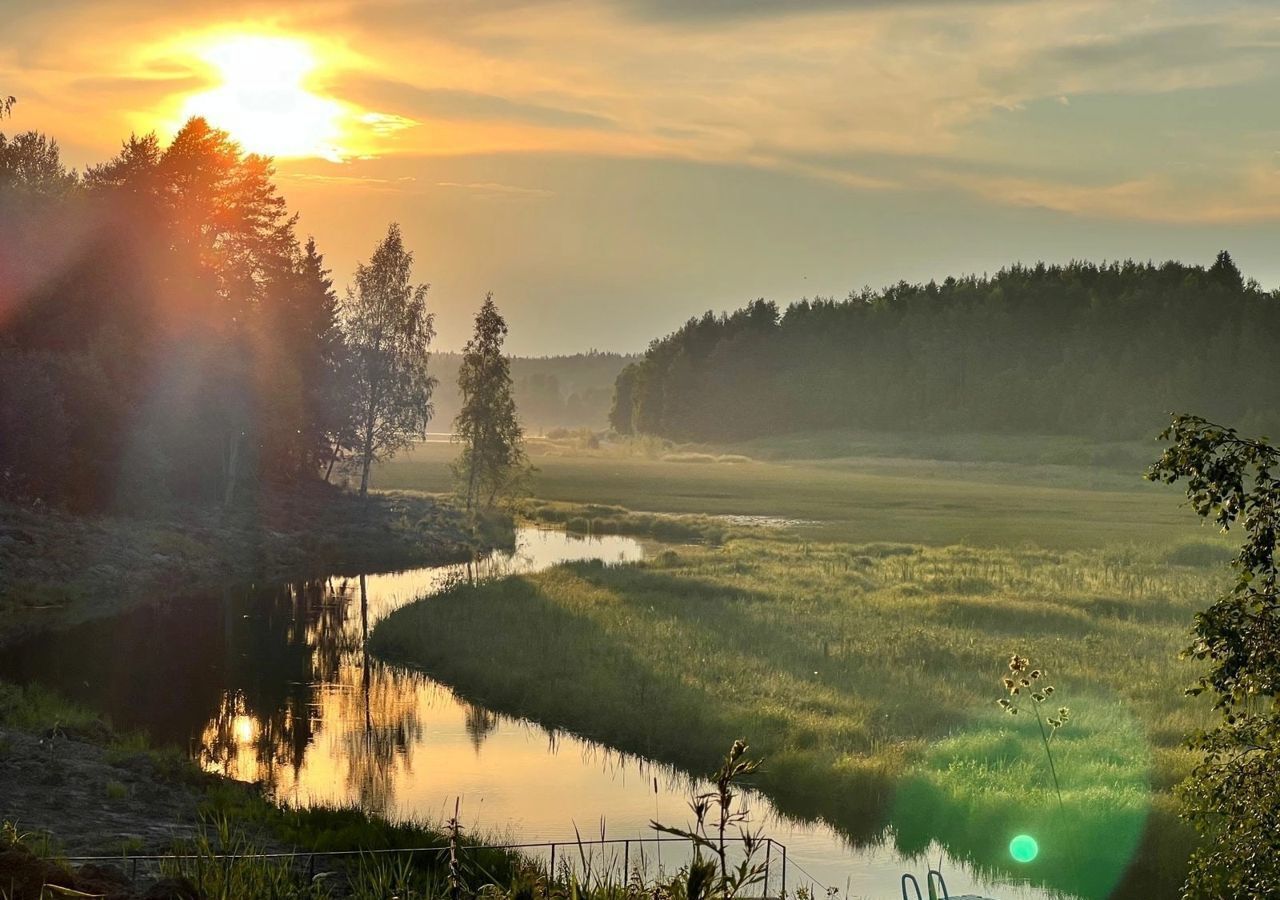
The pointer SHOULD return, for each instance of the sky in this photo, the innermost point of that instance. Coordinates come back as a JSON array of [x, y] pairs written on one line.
[[609, 168]]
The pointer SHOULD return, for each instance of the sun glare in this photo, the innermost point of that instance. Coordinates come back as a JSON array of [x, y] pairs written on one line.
[[263, 100]]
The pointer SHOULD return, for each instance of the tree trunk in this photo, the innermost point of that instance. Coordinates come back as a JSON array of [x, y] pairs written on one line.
[[471, 479], [233, 454], [333, 458]]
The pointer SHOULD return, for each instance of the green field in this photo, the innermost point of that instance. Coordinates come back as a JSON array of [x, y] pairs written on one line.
[[862, 654], [856, 499]]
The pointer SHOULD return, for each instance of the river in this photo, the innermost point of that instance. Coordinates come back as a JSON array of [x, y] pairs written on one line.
[[271, 683]]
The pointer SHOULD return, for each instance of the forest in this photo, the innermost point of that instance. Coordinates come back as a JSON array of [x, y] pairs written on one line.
[[167, 335], [1096, 350]]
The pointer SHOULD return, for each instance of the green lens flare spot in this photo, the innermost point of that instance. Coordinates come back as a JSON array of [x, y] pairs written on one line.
[[1024, 848]]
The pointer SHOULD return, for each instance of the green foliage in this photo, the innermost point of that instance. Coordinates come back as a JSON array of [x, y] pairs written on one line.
[[1081, 349], [389, 334], [1233, 795], [493, 464]]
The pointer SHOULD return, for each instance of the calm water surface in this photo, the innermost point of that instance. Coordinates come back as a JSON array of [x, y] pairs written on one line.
[[271, 683]]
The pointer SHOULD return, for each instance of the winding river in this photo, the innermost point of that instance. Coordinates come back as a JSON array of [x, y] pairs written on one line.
[[271, 683]]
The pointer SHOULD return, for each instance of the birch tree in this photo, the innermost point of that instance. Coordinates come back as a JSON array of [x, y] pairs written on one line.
[[389, 334]]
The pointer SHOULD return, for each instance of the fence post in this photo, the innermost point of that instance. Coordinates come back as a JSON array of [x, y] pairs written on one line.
[[551, 875], [784, 872], [768, 853], [626, 862]]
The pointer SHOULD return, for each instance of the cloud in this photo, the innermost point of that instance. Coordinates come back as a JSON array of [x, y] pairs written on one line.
[[1169, 57], [867, 94], [1253, 197], [490, 189], [464, 105], [720, 11]]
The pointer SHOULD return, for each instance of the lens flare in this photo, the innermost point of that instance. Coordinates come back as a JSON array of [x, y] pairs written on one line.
[[1024, 848]]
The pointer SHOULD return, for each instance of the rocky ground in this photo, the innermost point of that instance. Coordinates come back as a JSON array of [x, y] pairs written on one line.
[[94, 799]]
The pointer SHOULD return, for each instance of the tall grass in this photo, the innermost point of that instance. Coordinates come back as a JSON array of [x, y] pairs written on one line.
[[864, 673], [860, 500]]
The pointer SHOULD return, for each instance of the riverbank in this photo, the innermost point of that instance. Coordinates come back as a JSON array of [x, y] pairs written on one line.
[[866, 676], [73, 784], [58, 569]]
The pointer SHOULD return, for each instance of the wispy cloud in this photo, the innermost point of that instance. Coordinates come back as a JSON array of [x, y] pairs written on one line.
[[867, 94], [492, 189]]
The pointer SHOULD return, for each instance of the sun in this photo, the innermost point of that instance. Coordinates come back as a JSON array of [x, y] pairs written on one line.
[[262, 99]]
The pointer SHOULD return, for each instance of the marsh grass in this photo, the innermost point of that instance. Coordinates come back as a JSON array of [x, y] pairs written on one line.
[[600, 519], [859, 499], [862, 672]]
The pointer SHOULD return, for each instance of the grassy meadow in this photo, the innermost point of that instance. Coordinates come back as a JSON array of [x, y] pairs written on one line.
[[854, 498], [862, 651]]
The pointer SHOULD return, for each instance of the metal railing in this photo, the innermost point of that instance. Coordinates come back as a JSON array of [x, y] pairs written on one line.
[[600, 858]]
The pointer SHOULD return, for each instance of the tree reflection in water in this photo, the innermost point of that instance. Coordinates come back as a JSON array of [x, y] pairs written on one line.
[[301, 663]]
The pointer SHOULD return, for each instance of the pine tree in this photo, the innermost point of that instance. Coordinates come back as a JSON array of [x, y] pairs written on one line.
[[493, 462]]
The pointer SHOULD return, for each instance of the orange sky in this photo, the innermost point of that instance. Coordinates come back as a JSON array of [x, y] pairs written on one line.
[[609, 167]]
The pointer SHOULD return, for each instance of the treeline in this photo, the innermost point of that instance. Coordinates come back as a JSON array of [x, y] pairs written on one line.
[[166, 335], [1103, 351], [573, 391]]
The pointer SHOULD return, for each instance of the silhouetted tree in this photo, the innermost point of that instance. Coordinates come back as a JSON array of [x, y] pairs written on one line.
[[164, 309], [493, 460], [389, 334], [31, 167], [1233, 794]]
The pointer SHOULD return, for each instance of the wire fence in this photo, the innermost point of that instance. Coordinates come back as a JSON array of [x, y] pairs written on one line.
[[589, 861]]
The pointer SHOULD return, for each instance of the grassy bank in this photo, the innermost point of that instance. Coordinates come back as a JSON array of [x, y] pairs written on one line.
[[596, 519], [58, 569], [867, 677], [77, 785], [70, 785]]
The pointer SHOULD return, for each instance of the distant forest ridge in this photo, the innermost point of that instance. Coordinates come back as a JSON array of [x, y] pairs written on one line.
[[1104, 351], [550, 391]]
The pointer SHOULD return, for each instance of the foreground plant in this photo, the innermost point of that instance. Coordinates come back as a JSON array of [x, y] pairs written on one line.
[[1233, 795], [1024, 684], [713, 878]]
